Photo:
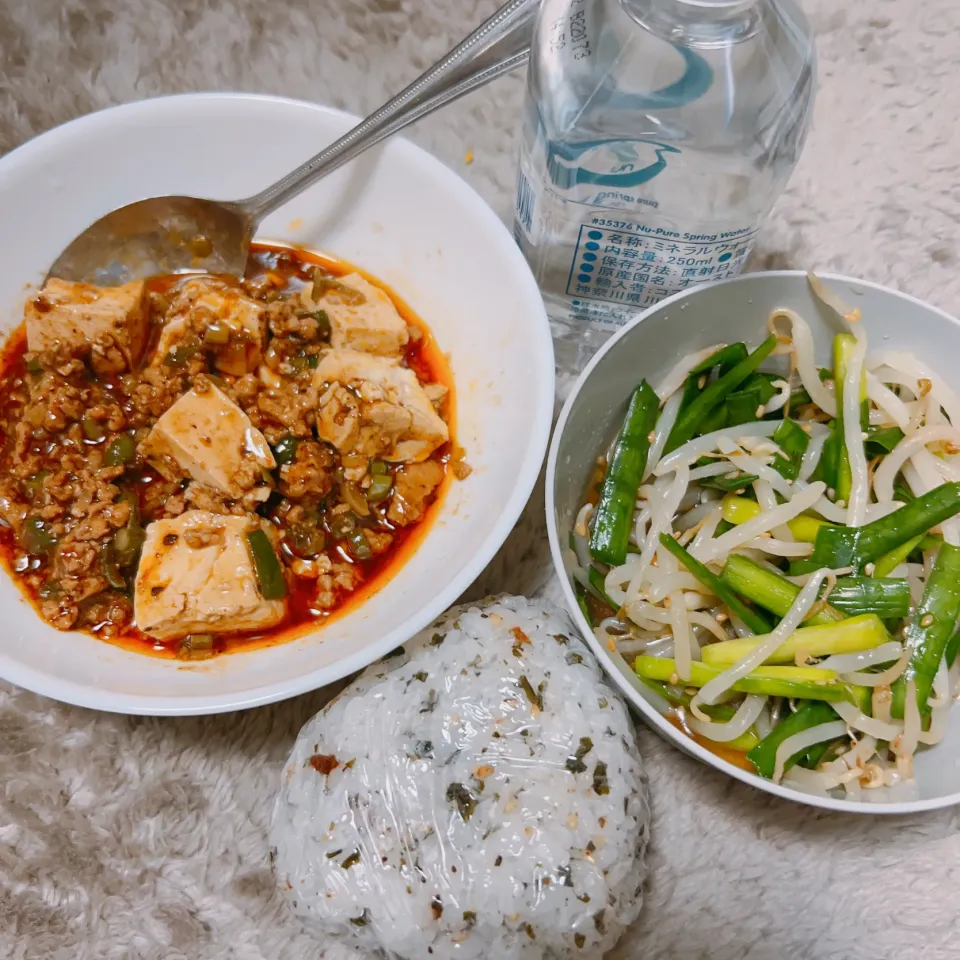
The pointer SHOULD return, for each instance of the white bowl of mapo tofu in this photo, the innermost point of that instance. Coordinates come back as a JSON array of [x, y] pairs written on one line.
[[218, 491]]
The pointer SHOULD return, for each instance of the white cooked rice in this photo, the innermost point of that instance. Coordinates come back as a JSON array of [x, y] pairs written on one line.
[[459, 820]]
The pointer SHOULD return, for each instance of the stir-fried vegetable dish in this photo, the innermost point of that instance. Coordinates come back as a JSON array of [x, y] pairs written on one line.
[[775, 547], [193, 462]]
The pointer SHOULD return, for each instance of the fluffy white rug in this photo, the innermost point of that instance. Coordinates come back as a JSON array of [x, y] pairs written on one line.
[[133, 838]]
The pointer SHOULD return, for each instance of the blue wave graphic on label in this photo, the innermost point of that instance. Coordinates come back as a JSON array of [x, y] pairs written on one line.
[[627, 164]]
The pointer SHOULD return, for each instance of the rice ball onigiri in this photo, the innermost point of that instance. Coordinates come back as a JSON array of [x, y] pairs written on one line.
[[479, 794]]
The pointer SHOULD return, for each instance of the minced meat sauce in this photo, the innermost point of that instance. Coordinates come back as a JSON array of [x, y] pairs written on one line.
[[268, 427]]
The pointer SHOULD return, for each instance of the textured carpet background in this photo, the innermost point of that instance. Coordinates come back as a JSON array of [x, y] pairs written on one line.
[[130, 838]]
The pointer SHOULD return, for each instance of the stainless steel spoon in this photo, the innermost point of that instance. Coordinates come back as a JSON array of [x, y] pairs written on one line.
[[176, 234]]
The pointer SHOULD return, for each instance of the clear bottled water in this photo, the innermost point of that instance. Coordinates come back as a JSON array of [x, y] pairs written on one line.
[[657, 136]]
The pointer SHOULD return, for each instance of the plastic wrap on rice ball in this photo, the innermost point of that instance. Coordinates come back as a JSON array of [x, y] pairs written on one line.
[[478, 795]]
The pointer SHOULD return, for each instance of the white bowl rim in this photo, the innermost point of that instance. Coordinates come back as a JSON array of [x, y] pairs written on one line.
[[541, 367], [650, 715]]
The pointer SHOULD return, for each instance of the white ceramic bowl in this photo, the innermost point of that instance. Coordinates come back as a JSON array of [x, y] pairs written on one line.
[[396, 212], [726, 312]]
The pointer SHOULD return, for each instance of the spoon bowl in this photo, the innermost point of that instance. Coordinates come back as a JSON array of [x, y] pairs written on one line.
[[159, 236]]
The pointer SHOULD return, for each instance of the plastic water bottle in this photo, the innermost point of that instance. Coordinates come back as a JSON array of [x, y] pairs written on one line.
[[657, 136]]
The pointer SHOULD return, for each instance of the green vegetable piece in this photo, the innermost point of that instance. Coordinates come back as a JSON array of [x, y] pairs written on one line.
[[266, 566], [380, 487], [813, 757], [887, 597], [691, 389], [743, 406], [726, 358], [341, 525], [324, 327], [111, 568], [775, 681], [217, 334], [581, 595], [34, 365], [829, 462], [767, 589], [92, 430], [121, 450], [33, 487], [716, 419], [890, 561], [714, 394], [845, 636], [378, 468], [285, 450], [358, 544], [196, 646], [855, 546], [36, 538], [179, 355], [614, 513], [933, 625], [882, 440], [843, 344], [728, 484], [764, 755], [901, 493], [755, 621], [306, 538], [597, 582], [792, 439], [953, 647]]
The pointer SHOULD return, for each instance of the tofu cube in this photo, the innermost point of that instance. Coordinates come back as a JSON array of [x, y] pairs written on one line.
[[373, 326], [206, 436], [196, 575], [206, 301], [373, 406], [80, 316]]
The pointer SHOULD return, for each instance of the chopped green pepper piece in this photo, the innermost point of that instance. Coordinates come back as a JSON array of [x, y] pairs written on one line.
[[110, 567], [380, 487], [120, 450], [36, 538], [358, 545], [285, 450], [92, 430], [273, 585], [217, 334], [34, 485]]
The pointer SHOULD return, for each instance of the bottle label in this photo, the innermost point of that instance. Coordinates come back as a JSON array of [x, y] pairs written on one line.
[[628, 265]]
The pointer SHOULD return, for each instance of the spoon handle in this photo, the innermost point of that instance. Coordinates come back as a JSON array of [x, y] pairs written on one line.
[[470, 64]]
